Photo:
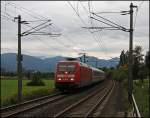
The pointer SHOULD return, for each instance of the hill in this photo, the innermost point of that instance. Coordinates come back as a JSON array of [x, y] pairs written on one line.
[[8, 62]]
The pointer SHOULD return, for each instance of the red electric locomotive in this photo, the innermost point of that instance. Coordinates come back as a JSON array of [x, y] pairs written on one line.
[[75, 74]]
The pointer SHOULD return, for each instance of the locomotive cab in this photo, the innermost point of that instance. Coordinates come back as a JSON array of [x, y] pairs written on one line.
[[66, 75]]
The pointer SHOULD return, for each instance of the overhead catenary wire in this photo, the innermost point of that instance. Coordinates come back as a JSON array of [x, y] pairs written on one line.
[[35, 27], [106, 51], [59, 42], [94, 36], [42, 41], [99, 37], [136, 14], [66, 46], [35, 15], [39, 29], [119, 26], [82, 21], [29, 12]]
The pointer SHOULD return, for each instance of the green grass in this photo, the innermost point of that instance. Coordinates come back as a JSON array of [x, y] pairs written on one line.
[[9, 90], [141, 95], [127, 106]]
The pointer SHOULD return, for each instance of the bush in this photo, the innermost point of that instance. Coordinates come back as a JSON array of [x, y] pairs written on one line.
[[36, 81], [120, 74]]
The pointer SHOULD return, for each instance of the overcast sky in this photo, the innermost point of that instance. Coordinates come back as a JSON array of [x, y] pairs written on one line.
[[74, 39]]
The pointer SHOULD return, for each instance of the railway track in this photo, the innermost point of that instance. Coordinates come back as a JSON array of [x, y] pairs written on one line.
[[14, 110], [87, 105]]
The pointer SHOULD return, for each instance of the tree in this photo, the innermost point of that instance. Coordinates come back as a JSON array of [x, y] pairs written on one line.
[[147, 57], [147, 64], [36, 80], [122, 58], [137, 61]]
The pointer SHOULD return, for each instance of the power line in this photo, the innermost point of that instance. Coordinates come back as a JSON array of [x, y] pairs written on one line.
[[66, 46], [92, 25], [82, 21], [137, 9], [39, 29], [36, 37], [30, 13], [119, 26], [36, 16], [99, 37], [77, 13]]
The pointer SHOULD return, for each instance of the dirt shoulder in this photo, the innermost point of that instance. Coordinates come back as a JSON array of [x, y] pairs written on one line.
[[114, 106]]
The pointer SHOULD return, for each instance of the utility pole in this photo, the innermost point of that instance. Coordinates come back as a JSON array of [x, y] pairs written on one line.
[[19, 59], [84, 57], [32, 31], [130, 79], [115, 26], [96, 63]]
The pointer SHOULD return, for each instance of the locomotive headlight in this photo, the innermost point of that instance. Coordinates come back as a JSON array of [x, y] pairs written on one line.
[[72, 79], [59, 78]]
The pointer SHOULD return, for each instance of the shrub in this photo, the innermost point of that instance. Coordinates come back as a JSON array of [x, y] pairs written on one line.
[[120, 74], [36, 81]]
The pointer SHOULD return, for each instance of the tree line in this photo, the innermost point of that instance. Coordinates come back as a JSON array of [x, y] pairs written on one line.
[[140, 63]]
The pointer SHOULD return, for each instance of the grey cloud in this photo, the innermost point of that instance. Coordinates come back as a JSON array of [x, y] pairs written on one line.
[[70, 25]]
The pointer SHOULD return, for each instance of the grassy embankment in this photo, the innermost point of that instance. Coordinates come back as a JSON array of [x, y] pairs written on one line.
[[141, 94], [9, 91]]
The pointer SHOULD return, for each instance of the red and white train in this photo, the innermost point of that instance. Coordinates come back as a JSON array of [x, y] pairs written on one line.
[[75, 74]]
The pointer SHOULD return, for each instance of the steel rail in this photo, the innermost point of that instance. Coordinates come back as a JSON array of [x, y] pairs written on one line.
[[77, 103], [51, 100], [109, 91]]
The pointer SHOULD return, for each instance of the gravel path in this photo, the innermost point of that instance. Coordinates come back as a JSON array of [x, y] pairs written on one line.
[[114, 105]]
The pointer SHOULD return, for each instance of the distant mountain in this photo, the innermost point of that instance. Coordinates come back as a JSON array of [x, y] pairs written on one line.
[[8, 62], [51, 62], [93, 61]]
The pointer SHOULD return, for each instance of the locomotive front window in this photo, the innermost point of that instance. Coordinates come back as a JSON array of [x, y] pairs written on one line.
[[69, 68], [62, 68]]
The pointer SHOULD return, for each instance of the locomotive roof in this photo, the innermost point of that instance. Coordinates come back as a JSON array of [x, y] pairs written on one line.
[[96, 69], [69, 61], [84, 64]]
